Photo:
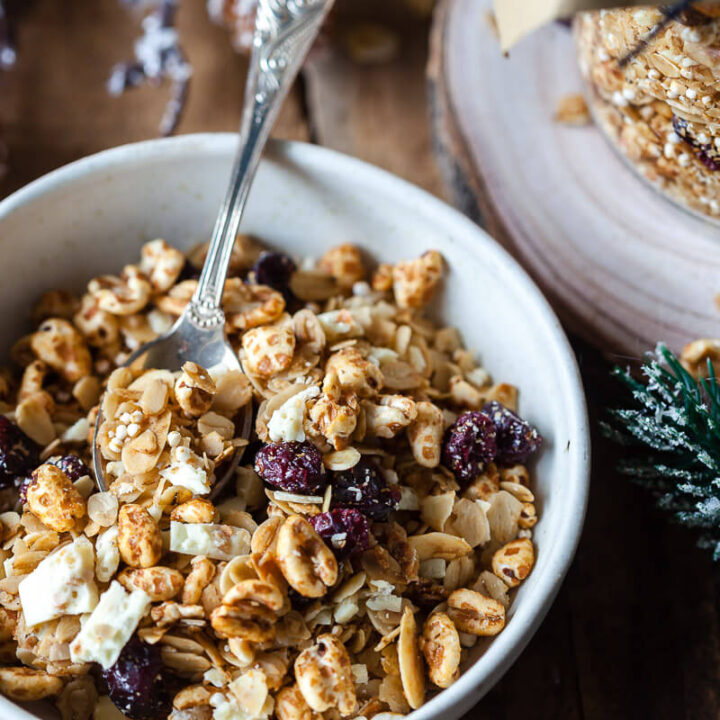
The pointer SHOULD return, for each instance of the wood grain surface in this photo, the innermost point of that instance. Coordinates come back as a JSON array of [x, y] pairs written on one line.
[[623, 266], [634, 631]]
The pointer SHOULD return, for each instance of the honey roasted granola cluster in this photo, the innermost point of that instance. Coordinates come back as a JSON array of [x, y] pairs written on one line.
[[375, 529]]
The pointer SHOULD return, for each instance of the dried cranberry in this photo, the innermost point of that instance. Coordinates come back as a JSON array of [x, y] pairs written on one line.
[[707, 153], [346, 531], [135, 682], [517, 440], [709, 157], [188, 272], [426, 593], [18, 453], [298, 601], [71, 465], [23, 488], [275, 270], [469, 445], [364, 488], [291, 466]]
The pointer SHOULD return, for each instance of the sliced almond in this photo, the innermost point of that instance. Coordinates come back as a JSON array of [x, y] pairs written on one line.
[[436, 509], [34, 420], [412, 673], [154, 397], [469, 521], [439, 545], [342, 459]]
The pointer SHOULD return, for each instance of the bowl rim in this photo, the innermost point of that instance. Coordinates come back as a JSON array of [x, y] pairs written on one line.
[[506, 647]]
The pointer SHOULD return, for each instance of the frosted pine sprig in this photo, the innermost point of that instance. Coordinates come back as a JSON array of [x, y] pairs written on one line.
[[673, 427]]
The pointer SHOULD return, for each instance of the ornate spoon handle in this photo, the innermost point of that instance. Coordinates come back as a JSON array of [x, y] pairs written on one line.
[[284, 32]]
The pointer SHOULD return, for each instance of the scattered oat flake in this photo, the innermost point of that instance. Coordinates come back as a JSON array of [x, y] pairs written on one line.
[[572, 110]]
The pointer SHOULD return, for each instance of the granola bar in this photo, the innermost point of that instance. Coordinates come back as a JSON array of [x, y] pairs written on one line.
[[661, 108], [378, 524]]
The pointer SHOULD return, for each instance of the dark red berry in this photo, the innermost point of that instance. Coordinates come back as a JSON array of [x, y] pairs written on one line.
[[18, 453], [23, 488], [428, 594], [71, 465], [136, 684], [364, 488], [517, 440], [707, 153], [469, 445], [291, 466], [346, 531], [275, 270], [298, 601], [188, 272]]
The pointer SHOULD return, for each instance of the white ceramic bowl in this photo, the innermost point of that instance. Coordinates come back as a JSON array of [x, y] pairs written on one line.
[[92, 216]]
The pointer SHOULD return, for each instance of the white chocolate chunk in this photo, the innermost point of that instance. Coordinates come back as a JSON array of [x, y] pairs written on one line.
[[286, 423], [62, 584], [219, 542], [187, 470], [112, 623], [251, 691]]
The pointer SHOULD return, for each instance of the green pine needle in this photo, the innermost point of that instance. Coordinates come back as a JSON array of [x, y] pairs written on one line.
[[674, 425]]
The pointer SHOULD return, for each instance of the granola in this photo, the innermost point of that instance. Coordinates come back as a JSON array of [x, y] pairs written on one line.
[[380, 520], [661, 108]]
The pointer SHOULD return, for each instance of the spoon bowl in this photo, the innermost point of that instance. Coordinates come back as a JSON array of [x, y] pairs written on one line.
[[186, 340], [208, 347]]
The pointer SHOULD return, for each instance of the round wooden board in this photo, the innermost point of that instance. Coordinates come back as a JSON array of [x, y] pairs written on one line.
[[622, 266]]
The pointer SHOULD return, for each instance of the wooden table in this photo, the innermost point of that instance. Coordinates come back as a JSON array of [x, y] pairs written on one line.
[[634, 631]]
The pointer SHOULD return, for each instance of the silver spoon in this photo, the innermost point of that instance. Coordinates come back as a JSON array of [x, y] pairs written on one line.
[[284, 32]]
